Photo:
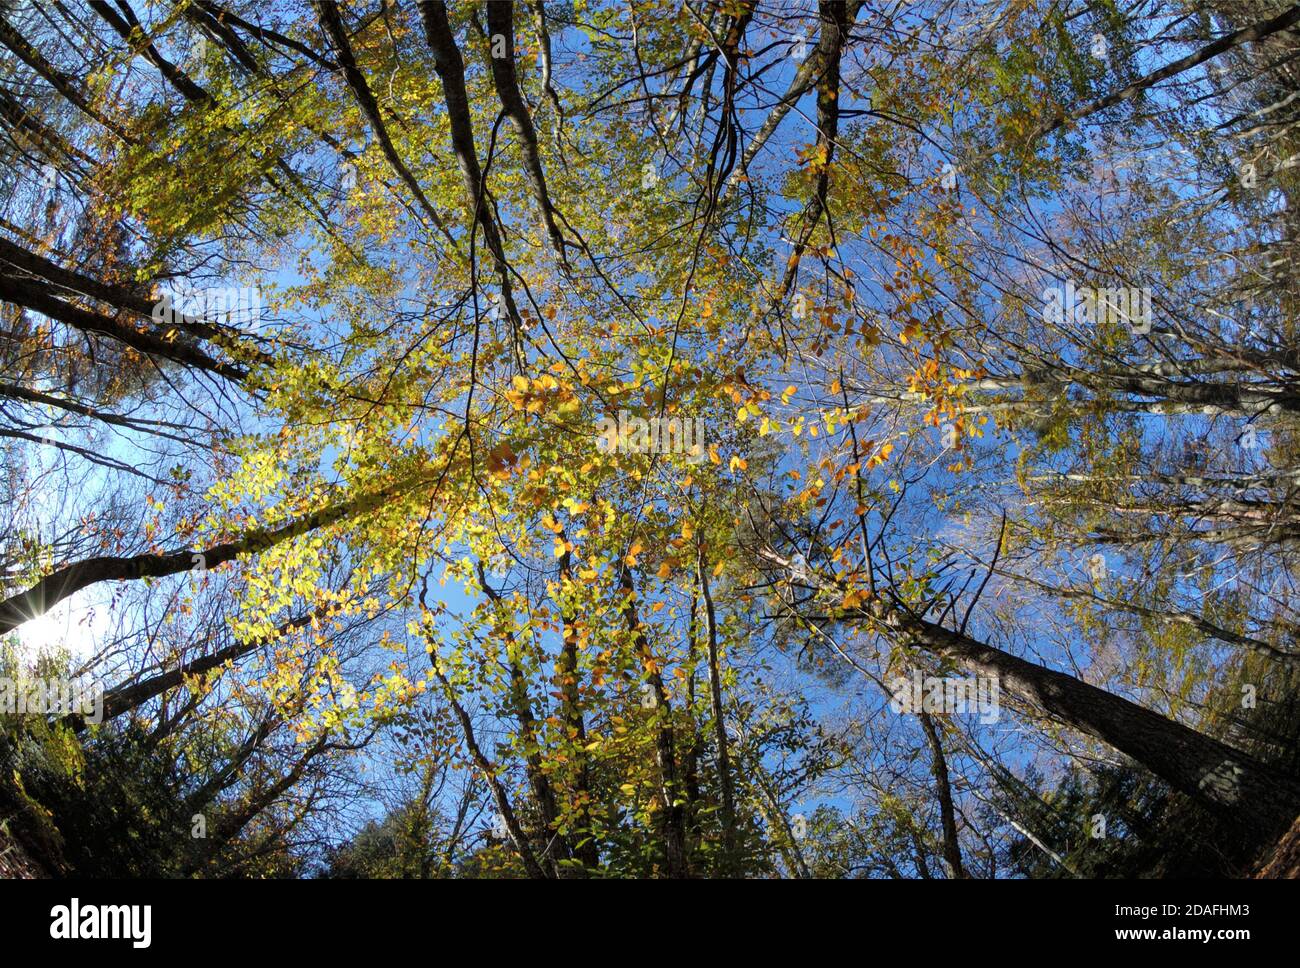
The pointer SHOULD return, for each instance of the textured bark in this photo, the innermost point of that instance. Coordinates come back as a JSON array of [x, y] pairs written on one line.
[[33, 294], [566, 674], [557, 847], [70, 579], [500, 20], [943, 790], [485, 767], [124, 698], [118, 296], [809, 74], [1208, 771], [128, 27], [673, 816], [1246, 35], [715, 702], [68, 86], [1212, 773], [451, 71], [332, 23]]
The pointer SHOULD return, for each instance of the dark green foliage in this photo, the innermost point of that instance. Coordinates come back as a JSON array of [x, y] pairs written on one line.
[[106, 809]]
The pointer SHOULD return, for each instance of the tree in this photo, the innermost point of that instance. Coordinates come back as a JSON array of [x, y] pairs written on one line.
[[573, 408]]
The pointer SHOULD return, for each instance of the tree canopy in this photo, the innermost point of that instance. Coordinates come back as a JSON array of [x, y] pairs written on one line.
[[655, 438]]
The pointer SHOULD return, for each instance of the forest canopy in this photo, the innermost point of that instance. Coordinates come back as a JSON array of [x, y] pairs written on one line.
[[666, 438]]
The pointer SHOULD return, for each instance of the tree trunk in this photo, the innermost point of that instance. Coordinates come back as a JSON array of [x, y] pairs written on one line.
[[1208, 771]]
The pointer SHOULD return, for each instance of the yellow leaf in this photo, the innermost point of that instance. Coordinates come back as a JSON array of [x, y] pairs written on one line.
[[854, 598], [636, 549]]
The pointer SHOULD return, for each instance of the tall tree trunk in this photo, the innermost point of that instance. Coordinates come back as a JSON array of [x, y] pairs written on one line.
[[719, 723], [943, 789], [566, 671], [674, 817], [554, 848], [1208, 771]]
